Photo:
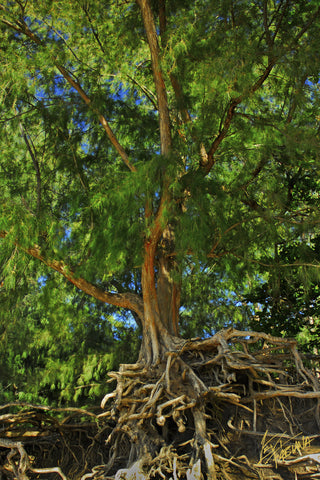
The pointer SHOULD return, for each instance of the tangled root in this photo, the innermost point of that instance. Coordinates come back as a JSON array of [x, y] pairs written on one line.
[[236, 405]]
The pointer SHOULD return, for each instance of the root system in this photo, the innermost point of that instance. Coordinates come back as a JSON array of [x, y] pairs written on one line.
[[236, 405]]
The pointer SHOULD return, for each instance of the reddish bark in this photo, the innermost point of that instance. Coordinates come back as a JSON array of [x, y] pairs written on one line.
[[150, 348], [164, 118], [128, 300], [161, 301]]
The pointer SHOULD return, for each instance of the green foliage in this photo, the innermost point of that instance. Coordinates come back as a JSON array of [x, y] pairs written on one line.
[[288, 303], [57, 345], [211, 302], [66, 191]]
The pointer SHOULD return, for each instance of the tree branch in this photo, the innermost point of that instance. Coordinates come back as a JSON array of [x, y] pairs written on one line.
[[150, 28], [294, 103], [102, 119], [307, 25], [285, 7], [21, 27], [129, 301], [275, 264], [150, 95], [32, 151], [210, 160], [95, 34], [266, 26]]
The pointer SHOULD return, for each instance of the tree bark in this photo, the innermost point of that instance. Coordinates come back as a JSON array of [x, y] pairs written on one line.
[[168, 297], [161, 300], [167, 287], [150, 348], [152, 38], [161, 295]]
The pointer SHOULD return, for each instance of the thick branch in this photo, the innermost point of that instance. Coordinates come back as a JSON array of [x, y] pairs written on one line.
[[102, 119], [149, 25], [129, 301]]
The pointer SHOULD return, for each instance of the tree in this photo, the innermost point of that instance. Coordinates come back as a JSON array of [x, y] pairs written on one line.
[[143, 142], [288, 303]]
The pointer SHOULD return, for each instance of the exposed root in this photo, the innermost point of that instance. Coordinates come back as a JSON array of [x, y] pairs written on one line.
[[232, 370], [237, 405], [135, 472], [38, 442], [21, 465]]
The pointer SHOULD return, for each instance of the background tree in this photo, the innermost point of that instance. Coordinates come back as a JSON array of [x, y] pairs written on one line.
[[288, 303], [58, 347]]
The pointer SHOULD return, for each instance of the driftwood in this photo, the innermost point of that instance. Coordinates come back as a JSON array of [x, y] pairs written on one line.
[[236, 405]]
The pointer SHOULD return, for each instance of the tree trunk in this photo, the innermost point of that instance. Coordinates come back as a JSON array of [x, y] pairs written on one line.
[[161, 300], [150, 348], [168, 296], [168, 288]]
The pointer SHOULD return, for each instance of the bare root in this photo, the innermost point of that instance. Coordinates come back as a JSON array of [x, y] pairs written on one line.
[[227, 407], [230, 372]]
